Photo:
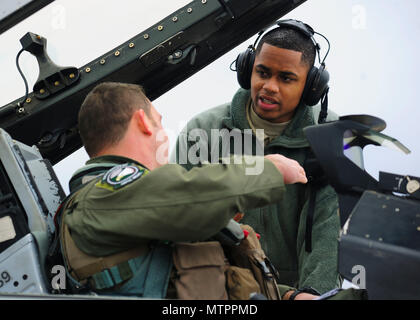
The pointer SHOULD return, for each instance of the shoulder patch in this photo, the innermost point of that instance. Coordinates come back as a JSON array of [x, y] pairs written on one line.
[[120, 176]]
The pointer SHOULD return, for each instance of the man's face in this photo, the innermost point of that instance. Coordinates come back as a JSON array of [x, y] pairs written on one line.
[[277, 82], [160, 137]]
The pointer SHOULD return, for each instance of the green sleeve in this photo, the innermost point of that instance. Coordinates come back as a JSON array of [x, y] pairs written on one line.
[[319, 268], [171, 203]]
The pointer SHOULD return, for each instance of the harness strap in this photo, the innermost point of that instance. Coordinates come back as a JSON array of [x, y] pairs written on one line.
[[112, 277], [151, 274], [116, 268], [309, 219]]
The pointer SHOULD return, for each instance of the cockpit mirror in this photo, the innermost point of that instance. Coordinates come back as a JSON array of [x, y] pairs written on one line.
[[338, 148]]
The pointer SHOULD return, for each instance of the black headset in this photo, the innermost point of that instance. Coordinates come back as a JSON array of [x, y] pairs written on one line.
[[316, 86]]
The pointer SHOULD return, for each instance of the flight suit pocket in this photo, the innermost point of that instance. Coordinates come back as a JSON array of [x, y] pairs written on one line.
[[200, 270], [241, 283]]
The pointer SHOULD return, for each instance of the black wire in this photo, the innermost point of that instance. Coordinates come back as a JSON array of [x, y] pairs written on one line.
[[234, 61], [329, 46], [20, 104], [324, 107]]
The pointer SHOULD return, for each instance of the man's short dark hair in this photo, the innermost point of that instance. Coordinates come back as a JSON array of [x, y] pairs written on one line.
[[106, 112], [290, 39]]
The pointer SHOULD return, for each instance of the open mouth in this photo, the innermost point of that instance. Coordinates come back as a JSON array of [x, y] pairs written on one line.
[[266, 103]]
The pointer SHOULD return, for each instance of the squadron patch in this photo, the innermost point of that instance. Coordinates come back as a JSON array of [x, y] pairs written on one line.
[[120, 176]]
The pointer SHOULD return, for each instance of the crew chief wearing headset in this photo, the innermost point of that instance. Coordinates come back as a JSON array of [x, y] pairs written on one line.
[[279, 85]]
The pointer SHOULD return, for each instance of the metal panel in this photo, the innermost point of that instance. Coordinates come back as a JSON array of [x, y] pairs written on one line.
[[20, 268], [383, 237]]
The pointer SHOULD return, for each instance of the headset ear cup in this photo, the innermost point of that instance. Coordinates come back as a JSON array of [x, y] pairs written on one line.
[[316, 85], [308, 84], [244, 65]]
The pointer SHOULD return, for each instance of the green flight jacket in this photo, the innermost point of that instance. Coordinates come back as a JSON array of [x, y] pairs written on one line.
[[281, 225], [168, 203]]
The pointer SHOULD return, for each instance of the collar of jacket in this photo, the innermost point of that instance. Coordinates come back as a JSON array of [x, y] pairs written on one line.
[[97, 166], [292, 137], [112, 159]]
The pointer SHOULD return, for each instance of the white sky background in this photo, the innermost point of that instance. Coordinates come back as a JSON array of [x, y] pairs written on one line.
[[373, 63]]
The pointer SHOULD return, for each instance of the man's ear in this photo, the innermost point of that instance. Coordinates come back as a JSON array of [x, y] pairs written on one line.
[[143, 122]]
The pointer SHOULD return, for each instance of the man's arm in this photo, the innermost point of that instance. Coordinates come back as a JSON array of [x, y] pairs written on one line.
[[171, 203]]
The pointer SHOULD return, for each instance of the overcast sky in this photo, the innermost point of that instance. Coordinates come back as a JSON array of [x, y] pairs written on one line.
[[373, 63]]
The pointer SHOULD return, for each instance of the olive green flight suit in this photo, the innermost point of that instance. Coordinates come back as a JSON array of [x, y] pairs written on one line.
[[168, 203], [282, 225]]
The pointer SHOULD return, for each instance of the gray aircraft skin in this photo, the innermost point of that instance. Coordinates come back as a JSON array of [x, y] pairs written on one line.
[[159, 58]]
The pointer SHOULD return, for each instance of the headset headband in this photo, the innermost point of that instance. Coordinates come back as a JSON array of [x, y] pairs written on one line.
[[301, 27]]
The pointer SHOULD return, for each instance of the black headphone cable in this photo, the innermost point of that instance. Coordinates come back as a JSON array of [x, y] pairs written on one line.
[[20, 104]]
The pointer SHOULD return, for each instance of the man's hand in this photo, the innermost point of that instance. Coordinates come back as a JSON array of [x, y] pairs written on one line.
[[290, 169], [300, 296]]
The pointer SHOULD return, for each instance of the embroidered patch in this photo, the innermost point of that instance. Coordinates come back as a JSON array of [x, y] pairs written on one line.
[[120, 176]]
